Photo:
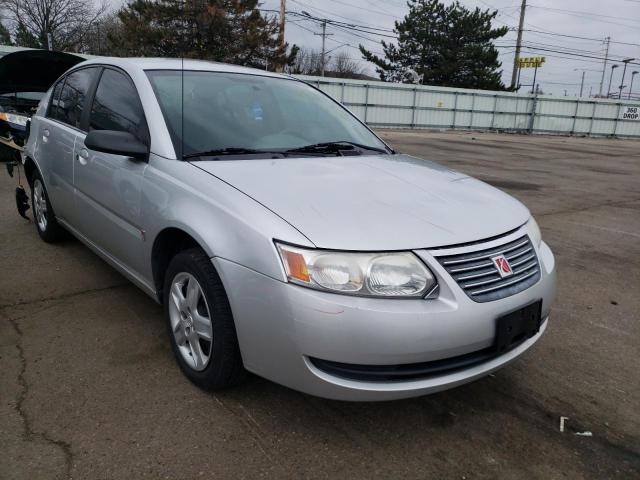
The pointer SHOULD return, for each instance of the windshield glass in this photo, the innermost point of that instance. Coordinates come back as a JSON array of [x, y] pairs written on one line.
[[240, 111]]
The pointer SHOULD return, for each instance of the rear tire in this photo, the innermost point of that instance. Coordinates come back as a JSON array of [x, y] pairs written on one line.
[[200, 323], [43, 216]]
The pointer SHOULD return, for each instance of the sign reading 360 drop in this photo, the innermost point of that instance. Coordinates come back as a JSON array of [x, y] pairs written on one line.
[[630, 113]]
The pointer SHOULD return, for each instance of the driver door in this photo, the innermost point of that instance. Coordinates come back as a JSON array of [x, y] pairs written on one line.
[[108, 187]]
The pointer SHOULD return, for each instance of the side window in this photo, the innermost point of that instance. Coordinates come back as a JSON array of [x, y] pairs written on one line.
[[116, 106], [72, 97], [55, 100]]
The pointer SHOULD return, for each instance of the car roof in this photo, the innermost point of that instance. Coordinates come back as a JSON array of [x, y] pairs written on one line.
[[148, 63]]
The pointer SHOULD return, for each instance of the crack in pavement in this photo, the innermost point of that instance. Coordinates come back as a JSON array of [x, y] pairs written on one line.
[[63, 296], [249, 423], [29, 432]]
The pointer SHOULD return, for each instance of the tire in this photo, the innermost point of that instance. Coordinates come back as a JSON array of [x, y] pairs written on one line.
[[186, 312], [43, 216]]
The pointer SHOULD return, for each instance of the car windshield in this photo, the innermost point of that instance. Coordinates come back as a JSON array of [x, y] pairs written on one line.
[[232, 114]]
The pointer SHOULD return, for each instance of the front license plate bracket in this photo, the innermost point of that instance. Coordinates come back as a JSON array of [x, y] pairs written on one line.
[[516, 327]]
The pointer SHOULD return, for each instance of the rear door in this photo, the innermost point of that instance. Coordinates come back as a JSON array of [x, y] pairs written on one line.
[[108, 187], [60, 129]]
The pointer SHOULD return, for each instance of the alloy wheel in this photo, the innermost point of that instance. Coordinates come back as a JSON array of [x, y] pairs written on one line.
[[40, 205], [190, 319]]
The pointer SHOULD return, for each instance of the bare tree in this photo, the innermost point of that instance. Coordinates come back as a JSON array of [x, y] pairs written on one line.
[[344, 66], [67, 21], [309, 62], [98, 41]]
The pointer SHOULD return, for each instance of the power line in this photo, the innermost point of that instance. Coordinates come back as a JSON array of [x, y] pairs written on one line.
[[509, 15], [324, 12], [581, 38], [344, 30], [360, 7], [293, 22], [576, 50], [577, 54], [592, 16], [299, 14]]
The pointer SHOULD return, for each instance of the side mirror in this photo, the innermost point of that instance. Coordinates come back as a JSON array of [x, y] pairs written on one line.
[[117, 143]]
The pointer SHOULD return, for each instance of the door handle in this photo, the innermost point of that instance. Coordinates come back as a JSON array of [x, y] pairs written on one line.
[[45, 135], [83, 156]]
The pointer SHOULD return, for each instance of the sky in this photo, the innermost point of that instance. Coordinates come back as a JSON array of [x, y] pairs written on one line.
[[545, 22]]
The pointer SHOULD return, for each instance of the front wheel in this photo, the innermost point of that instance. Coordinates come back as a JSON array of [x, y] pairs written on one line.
[[200, 323]]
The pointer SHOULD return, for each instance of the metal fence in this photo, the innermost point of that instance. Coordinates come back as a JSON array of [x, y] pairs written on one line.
[[392, 105]]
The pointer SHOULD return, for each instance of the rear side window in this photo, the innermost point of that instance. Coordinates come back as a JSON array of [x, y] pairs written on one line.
[[70, 104], [116, 106], [55, 100]]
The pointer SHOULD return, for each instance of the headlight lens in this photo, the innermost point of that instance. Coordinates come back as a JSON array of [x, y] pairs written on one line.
[[399, 274], [13, 118], [534, 232]]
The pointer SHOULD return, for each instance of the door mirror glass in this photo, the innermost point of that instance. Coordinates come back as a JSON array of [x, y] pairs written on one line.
[[117, 143]]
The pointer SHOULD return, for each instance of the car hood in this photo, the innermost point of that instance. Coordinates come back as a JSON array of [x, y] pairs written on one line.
[[33, 70], [381, 202]]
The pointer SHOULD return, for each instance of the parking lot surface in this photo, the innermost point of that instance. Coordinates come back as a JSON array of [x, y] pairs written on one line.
[[89, 387]]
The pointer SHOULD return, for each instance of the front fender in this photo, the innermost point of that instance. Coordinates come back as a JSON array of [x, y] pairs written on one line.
[[224, 221]]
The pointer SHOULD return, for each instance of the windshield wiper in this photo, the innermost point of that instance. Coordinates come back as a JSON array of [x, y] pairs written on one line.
[[228, 151], [335, 147]]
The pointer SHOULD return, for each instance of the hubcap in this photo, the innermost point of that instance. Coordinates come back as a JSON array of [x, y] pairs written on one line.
[[190, 319], [40, 205]]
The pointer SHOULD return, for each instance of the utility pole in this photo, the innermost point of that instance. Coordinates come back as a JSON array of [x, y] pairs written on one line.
[[324, 35], [582, 80], [584, 70], [624, 71], [613, 67], [604, 66], [283, 7], [514, 75], [633, 74]]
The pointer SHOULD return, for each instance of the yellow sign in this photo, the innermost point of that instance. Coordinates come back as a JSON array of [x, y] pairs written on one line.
[[531, 62]]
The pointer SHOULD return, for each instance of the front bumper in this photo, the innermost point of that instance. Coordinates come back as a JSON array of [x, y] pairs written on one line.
[[281, 325]]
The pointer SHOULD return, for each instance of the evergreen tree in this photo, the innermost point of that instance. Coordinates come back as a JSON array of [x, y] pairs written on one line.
[[24, 38], [445, 45], [232, 31], [5, 36]]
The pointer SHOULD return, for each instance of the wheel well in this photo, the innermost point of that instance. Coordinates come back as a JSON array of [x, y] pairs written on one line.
[[29, 168], [167, 245]]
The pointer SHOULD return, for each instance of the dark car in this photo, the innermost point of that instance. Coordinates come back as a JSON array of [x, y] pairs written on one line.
[[25, 76]]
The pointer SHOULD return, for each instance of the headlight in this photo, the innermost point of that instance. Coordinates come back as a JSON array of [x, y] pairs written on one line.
[[534, 232], [399, 274], [17, 119]]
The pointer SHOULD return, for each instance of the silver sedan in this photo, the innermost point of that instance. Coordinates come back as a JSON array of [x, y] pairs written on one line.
[[281, 235]]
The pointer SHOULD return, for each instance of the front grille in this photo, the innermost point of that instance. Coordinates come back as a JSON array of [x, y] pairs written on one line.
[[477, 275]]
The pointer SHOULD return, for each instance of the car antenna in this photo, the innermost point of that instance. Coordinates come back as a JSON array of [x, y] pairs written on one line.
[[182, 48]]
